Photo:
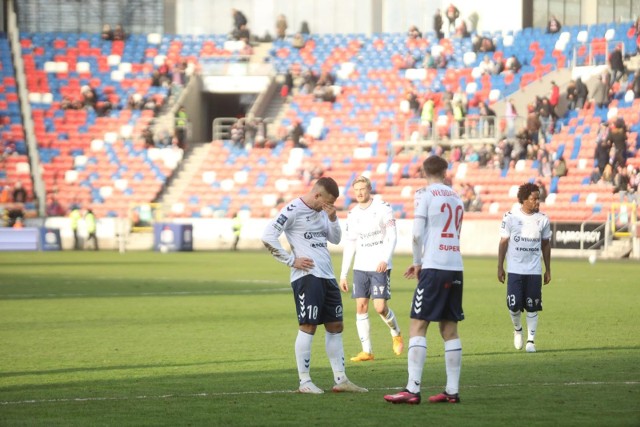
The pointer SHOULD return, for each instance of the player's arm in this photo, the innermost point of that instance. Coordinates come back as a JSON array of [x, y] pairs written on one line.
[[546, 258], [502, 252], [271, 239], [419, 223], [390, 240], [505, 235], [348, 253]]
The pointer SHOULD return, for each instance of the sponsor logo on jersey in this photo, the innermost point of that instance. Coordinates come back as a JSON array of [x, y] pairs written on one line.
[[314, 234], [517, 238], [282, 219]]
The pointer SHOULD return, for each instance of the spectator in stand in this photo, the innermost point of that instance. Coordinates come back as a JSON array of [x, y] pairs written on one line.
[[582, 92], [19, 193], [618, 139], [546, 118], [118, 33], [296, 135], [107, 33], [482, 44], [601, 93], [635, 86], [452, 14], [512, 64], [571, 95], [181, 123], [603, 147], [414, 33], [595, 176], [621, 183], [147, 136], [487, 120], [616, 64], [487, 66], [511, 115], [54, 208], [427, 117], [239, 20], [533, 126], [437, 24], [554, 98], [237, 135], [281, 27], [560, 167], [554, 25], [461, 28], [428, 62], [607, 175], [543, 190], [298, 41]]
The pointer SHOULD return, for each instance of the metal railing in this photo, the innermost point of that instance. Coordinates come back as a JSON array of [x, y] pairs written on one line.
[[473, 130]]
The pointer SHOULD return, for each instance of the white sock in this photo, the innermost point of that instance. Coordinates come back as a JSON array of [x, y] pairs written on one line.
[[515, 319], [453, 362], [416, 355], [303, 355], [532, 325], [390, 320], [364, 329], [335, 352]]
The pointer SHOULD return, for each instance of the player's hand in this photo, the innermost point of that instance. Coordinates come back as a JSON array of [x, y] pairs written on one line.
[[330, 210], [382, 267], [412, 272], [501, 274], [344, 286], [304, 264], [547, 277]]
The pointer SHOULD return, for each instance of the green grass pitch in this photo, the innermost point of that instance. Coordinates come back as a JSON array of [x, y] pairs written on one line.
[[206, 338]]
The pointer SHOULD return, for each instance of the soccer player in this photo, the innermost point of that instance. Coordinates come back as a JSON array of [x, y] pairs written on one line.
[[309, 222], [371, 237], [437, 263], [525, 235]]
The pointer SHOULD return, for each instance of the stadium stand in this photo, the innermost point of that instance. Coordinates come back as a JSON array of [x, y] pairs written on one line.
[[96, 156]]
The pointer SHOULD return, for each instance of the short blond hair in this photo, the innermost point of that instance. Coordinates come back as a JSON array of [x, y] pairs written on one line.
[[364, 179]]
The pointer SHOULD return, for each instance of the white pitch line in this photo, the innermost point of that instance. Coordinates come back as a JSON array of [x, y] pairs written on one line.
[[144, 294], [265, 392]]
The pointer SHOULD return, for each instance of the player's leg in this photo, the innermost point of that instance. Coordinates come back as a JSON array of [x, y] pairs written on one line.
[[331, 316], [361, 292], [416, 356], [417, 351], [533, 298], [381, 292], [515, 304], [306, 305], [451, 315]]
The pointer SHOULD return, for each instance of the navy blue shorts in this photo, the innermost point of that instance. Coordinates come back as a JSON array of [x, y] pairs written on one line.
[[524, 292], [438, 296], [371, 284], [317, 300]]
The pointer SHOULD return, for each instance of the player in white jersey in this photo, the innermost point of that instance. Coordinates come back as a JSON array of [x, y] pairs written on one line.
[[437, 263], [309, 224], [371, 237], [525, 236]]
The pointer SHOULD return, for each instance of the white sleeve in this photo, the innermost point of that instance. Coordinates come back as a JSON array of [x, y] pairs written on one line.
[[270, 239], [391, 236], [335, 232], [418, 238], [348, 252]]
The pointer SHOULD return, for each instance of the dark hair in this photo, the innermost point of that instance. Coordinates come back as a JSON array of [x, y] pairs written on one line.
[[525, 191], [329, 185], [435, 166]]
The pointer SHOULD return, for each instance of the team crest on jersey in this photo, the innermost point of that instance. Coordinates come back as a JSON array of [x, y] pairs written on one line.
[[282, 219]]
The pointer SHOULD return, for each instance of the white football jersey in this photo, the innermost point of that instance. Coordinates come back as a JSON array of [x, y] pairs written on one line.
[[440, 209], [307, 232], [371, 232], [525, 233]]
